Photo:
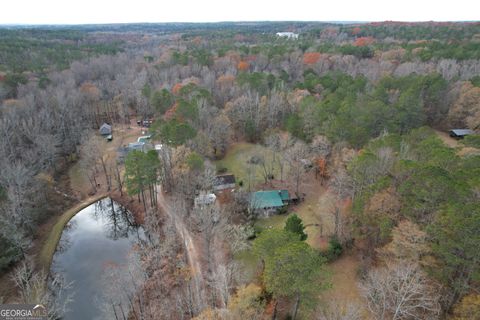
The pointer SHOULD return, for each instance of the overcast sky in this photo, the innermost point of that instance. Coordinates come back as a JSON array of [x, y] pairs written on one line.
[[122, 11]]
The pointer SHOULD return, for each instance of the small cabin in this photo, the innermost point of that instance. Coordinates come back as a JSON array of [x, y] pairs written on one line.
[[460, 133], [269, 201], [105, 129]]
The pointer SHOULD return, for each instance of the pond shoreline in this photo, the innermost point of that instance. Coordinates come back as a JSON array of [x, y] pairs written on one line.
[[49, 247], [94, 253]]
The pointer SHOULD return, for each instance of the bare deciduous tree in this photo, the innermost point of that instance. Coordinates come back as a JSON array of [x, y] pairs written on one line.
[[400, 292], [295, 157], [337, 311], [56, 294]]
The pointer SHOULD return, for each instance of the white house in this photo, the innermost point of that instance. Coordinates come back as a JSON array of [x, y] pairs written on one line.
[[289, 35]]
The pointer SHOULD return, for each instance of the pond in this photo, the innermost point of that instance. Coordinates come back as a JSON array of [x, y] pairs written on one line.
[[95, 244]]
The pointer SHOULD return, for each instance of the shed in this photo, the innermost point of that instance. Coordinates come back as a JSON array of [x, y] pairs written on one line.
[[105, 129], [460, 133], [225, 181], [205, 199]]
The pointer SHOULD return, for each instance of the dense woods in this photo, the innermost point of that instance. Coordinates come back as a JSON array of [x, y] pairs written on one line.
[[356, 108]]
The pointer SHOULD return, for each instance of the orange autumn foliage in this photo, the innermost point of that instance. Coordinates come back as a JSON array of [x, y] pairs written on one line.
[[321, 169], [363, 41], [243, 66], [311, 57], [197, 40], [11, 102], [176, 88], [226, 79], [89, 88], [170, 113], [356, 30], [347, 204]]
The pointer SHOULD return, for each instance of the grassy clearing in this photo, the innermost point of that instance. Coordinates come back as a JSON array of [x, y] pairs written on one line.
[[249, 264], [78, 180], [344, 284], [275, 221], [48, 249], [316, 216], [462, 149], [236, 162]]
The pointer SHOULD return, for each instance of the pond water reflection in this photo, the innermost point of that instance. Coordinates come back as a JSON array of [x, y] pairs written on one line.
[[97, 239]]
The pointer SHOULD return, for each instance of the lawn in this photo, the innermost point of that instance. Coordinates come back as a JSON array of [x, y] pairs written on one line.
[[236, 162], [316, 215], [78, 180], [249, 265], [275, 221]]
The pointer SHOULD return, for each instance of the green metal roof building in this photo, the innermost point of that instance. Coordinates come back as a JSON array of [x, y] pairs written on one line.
[[269, 199]]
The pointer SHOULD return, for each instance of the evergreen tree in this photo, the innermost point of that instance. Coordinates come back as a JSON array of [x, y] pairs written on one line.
[[295, 225]]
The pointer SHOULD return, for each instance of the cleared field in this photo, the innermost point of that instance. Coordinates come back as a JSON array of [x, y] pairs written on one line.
[[344, 289], [237, 161], [122, 135], [462, 150], [316, 213]]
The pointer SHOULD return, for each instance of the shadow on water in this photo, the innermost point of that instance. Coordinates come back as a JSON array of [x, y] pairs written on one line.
[[96, 248]]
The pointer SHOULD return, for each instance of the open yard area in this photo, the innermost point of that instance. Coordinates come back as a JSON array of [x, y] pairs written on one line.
[[238, 161], [345, 284], [317, 214], [462, 150], [122, 135]]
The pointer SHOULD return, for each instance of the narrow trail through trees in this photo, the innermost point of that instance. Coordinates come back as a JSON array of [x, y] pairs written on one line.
[[191, 251]]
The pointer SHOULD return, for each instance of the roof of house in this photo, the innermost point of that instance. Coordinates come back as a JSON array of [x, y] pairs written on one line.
[[105, 129], [224, 179], [284, 195], [461, 132], [136, 146], [266, 199]]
